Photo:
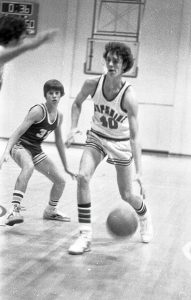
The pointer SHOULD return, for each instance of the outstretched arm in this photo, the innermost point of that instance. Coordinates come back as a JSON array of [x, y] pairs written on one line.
[[8, 53]]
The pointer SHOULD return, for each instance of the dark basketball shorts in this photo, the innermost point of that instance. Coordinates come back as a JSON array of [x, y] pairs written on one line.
[[35, 151]]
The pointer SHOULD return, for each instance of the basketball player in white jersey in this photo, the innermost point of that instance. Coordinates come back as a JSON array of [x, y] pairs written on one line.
[[13, 42], [113, 134], [24, 146]]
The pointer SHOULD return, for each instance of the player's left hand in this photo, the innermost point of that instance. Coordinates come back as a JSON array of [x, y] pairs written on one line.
[[138, 179], [73, 175]]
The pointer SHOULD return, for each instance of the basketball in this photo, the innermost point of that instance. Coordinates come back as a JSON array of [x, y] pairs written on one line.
[[122, 221]]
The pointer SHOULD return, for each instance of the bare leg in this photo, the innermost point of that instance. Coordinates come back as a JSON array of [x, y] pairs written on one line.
[[24, 160], [88, 164], [124, 180], [48, 168]]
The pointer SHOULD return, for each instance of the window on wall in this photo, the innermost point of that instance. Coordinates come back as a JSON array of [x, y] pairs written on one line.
[[120, 21]]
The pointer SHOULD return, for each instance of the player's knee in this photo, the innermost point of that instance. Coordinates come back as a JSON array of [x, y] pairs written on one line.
[[61, 182], [28, 169], [125, 195], [128, 197], [83, 180]]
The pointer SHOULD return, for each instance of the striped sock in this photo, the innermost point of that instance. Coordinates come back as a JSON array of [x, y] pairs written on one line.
[[17, 198], [84, 213], [142, 210]]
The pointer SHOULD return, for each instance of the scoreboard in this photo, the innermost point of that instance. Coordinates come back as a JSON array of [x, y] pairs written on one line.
[[26, 10]]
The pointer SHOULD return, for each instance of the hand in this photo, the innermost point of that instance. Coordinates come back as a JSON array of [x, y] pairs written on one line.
[[71, 136], [49, 35], [74, 176], [3, 159], [138, 179], [41, 38]]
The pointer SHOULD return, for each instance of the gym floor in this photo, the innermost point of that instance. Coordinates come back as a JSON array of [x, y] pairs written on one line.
[[34, 263]]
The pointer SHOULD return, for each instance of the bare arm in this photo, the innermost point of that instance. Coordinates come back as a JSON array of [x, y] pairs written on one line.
[[8, 53], [131, 105], [61, 147], [87, 89], [33, 116]]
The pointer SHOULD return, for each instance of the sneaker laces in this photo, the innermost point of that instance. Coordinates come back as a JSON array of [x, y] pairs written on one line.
[[16, 209], [14, 212], [83, 238], [52, 211], [56, 212], [80, 242]]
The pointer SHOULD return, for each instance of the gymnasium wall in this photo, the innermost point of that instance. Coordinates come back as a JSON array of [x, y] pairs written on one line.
[[162, 84]]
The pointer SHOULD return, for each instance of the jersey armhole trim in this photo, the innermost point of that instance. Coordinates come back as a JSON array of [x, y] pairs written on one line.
[[121, 104], [96, 87], [44, 112]]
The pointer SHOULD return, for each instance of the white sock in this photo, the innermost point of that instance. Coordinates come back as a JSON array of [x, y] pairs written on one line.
[[51, 208]]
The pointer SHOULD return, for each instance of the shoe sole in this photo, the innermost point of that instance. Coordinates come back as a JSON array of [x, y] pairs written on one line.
[[57, 219], [78, 253], [13, 222]]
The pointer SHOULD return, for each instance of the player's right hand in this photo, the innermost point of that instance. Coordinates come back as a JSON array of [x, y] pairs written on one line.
[[3, 159], [71, 137], [49, 35]]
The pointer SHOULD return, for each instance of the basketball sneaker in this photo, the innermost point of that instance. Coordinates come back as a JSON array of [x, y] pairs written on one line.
[[14, 217], [53, 214], [146, 228], [82, 243]]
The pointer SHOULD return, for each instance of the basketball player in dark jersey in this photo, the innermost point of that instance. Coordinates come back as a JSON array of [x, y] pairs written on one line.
[[24, 146], [113, 134], [13, 41]]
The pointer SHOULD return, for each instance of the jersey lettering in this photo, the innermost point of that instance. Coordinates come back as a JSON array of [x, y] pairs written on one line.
[[109, 122], [43, 133], [114, 117]]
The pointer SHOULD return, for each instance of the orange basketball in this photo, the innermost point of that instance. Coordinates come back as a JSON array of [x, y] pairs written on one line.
[[122, 221]]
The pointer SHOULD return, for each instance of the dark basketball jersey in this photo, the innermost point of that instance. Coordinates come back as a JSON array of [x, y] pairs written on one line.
[[39, 131]]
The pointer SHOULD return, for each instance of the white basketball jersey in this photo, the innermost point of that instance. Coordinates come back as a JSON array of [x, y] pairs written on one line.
[[109, 119]]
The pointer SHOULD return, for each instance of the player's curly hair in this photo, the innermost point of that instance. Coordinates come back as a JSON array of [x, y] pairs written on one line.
[[122, 50], [11, 27], [53, 84]]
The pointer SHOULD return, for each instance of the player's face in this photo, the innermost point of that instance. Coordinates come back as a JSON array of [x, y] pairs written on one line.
[[53, 96], [114, 64]]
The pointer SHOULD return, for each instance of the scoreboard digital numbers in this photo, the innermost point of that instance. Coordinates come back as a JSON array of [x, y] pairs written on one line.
[[26, 10]]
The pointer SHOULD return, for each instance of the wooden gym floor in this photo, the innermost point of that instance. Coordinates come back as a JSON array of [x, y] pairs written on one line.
[[34, 263]]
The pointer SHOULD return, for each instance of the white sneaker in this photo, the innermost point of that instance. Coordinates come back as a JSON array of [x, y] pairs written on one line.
[[82, 243], [14, 217], [146, 228], [55, 215]]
